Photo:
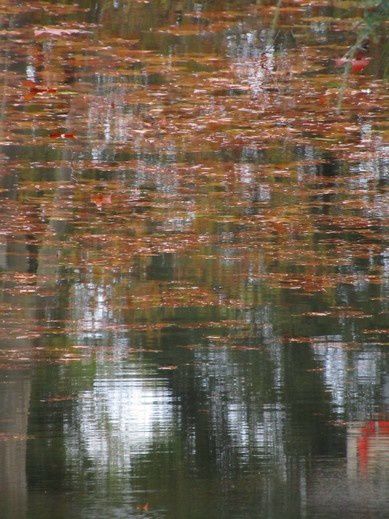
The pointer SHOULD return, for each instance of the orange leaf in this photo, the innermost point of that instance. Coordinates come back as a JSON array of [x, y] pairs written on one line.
[[101, 199], [144, 508]]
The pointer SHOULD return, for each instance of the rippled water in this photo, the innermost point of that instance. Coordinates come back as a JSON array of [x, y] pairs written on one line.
[[193, 265]]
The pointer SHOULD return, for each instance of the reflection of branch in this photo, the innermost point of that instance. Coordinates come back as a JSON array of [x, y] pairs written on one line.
[[348, 57], [273, 26], [371, 23]]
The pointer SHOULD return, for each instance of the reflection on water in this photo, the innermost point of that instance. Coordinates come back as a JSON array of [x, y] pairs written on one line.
[[138, 409], [193, 267]]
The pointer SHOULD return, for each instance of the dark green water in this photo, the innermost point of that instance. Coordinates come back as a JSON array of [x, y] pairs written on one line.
[[193, 262]]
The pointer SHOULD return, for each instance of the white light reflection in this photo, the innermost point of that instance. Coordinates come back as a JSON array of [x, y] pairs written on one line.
[[252, 61], [347, 372], [121, 418]]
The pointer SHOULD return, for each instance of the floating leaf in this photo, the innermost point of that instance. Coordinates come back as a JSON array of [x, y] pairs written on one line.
[[357, 65], [57, 135], [101, 199], [60, 31]]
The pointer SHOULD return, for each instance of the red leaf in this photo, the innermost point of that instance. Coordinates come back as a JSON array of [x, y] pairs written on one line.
[[357, 65], [28, 83], [57, 135]]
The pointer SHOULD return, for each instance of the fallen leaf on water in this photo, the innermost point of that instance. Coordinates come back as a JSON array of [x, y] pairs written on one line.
[[144, 508], [300, 340], [55, 31], [339, 423], [376, 331], [340, 62], [57, 135], [101, 199], [34, 89], [58, 398], [357, 65], [10, 436], [316, 314]]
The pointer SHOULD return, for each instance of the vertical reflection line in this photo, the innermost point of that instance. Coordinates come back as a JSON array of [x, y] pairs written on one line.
[[270, 39]]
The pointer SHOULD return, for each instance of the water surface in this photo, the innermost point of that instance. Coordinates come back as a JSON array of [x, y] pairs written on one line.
[[193, 265]]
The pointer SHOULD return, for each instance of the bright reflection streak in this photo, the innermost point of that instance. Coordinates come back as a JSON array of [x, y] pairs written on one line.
[[121, 418]]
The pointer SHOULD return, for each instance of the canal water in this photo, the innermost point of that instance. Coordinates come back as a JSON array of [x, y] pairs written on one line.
[[193, 266]]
